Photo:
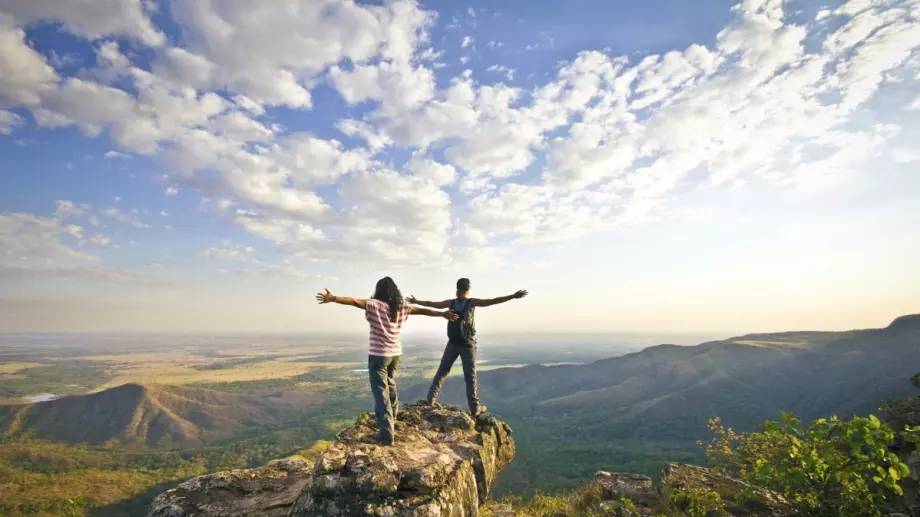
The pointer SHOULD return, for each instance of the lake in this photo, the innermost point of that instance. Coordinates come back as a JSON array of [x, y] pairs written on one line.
[[42, 397]]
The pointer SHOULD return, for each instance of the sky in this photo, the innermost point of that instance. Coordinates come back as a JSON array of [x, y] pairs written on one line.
[[657, 166]]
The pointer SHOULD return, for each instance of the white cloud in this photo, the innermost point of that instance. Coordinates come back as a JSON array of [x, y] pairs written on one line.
[[27, 239], [249, 105], [280, 272], [84, 273], [9, 121], [125, 217], [426, 168], [236, 252], [274, 55], [67, 208], [100, 240], [915, 105], [504, 70], [24, 73], [171, 190], [89, 18], [606, 140], [115, 154]]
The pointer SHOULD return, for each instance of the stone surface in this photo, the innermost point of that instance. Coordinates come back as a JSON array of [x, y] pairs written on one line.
[[762, 503], [442, 464], [265, 492]]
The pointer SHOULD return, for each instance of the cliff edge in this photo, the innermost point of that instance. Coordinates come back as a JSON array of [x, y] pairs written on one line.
[[443, 463]]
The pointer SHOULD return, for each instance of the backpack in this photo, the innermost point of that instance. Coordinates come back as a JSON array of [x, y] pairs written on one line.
[[462, 331]]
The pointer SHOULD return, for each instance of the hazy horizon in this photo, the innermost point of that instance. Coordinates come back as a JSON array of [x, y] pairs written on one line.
[[717, 168]]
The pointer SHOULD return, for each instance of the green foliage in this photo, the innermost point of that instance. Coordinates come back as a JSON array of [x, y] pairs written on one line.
[[831, 467], [583, 502], [74, 507], [912, 435], [916, 380], [695, 502]]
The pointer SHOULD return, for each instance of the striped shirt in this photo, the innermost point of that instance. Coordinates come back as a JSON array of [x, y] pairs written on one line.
[[384, 337]]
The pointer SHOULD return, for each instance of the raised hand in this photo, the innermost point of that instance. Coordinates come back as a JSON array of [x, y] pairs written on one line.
[[326, 297], [520, 294], [451, 316], [411, 299]]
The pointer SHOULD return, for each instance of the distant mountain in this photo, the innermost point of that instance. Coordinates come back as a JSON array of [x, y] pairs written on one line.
[[669, 392], [139, 415]]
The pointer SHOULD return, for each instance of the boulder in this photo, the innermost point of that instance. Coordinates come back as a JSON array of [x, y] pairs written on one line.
[[265, 492], [759, 503], [443, 463]]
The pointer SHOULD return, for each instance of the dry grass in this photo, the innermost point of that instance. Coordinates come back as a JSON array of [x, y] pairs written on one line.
[[8, 368], [180, 369]]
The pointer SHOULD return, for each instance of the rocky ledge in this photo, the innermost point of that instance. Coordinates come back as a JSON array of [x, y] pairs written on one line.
[[266, 492], [622, 494], [442, 464]]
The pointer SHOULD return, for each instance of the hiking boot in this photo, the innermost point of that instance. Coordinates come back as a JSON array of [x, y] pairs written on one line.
[[479, 411]]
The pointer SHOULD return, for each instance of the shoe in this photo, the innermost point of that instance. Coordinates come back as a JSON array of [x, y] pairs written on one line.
[[479, 411]]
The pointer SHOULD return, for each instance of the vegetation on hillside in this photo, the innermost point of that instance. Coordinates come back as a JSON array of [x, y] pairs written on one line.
[[829, 468], [59, 377]]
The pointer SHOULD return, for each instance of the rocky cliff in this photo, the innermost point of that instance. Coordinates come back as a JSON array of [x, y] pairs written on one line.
[[442, 464]]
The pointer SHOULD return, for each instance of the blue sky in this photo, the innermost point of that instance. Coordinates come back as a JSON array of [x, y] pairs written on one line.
[[657, 166]]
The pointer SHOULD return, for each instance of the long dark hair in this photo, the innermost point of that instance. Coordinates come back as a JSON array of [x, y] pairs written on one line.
[[386, 291]]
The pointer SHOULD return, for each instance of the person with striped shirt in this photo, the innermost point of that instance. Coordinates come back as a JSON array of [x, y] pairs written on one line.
[[386, 312]]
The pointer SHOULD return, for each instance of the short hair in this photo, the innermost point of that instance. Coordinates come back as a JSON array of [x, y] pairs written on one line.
[[463, 285]]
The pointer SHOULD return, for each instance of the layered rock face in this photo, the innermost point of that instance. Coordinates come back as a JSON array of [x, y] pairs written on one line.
[[442, 464], [265, 492]]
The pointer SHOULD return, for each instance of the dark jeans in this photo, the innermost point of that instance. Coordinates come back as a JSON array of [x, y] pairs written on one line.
[[467, 355], [382, 372]]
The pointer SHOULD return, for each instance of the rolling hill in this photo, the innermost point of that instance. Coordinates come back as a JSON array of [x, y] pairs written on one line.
[[669, 392], [140, 415]]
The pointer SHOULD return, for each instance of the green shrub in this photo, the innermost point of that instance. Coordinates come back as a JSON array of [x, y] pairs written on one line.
[[695, 502], [829, 468]]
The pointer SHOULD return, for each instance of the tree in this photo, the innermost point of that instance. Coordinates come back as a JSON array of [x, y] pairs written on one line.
[[831, 467]]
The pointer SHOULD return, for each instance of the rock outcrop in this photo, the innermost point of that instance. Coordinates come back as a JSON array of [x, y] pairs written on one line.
[[443, 464], [620, 494], [264, 492], [758, 502]]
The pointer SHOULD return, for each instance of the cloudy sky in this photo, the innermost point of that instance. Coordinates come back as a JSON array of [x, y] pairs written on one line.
[[654, 166]]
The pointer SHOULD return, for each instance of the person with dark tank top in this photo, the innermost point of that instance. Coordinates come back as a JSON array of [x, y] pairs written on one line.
[[461, 340]]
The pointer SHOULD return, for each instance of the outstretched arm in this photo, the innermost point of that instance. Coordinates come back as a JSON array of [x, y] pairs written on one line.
[[485, 302], [448, 315], [328, 297], [435, 305]]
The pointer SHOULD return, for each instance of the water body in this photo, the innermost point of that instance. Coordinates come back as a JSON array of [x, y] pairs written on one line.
[[360, 370], [42, 397]]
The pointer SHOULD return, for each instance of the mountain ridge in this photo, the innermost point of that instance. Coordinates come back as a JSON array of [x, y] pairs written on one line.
[[744, 379], [149, 415]]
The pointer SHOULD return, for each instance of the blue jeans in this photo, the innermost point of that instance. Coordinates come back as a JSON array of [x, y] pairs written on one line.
[[467, 355], [382, 373]]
